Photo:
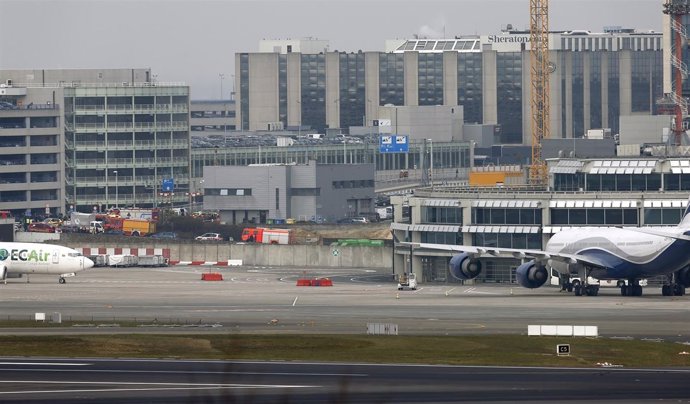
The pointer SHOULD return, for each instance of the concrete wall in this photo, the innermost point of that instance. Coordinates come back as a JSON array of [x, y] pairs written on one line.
[[581, 148], [307, 256], [638, 129]]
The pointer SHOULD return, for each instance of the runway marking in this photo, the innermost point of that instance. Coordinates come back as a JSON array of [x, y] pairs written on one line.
[[295, 301], [184, 372], [474, 290], [46, 363], [159, 386], [448, 291]]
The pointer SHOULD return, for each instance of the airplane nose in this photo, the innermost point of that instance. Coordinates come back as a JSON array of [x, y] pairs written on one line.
[[87, 263]]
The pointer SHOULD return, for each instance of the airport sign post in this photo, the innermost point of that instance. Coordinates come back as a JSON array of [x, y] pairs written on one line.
[[563, 349], [394, 144]]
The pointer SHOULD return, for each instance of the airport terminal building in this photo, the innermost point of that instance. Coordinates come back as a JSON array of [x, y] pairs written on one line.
[[583, 193]]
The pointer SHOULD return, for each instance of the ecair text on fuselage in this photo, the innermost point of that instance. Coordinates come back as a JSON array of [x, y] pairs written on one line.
[[24, 255]]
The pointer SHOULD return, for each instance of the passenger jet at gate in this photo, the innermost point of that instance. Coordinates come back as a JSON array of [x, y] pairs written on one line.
[[602, 253], [18, 259]]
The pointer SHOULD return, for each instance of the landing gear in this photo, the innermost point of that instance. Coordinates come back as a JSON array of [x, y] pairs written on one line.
[[582, 287], [633, 288], [62, 279], [573, 286], [674, 289], [592, 290]]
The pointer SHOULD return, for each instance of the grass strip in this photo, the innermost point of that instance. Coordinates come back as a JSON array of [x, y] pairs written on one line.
[[500, 350]]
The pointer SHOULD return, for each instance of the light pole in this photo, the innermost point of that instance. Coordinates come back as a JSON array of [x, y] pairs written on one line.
[[222, 77], [117, 202]]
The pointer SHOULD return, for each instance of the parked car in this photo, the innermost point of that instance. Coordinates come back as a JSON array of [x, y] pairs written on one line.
[[40, 227], [165, 235], [209, 237]]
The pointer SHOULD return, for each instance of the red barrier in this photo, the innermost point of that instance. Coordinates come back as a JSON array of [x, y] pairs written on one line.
[[314, 282], [326, 282], [211, 276]]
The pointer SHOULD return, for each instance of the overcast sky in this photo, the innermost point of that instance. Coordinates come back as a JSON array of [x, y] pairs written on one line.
[[194, 41]]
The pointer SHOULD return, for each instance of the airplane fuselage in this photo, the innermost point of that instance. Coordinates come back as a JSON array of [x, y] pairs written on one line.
[[625, 253], [36, 258]]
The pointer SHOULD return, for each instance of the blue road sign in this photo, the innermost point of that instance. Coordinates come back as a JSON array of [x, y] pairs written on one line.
[[168, 185], [394, 144]]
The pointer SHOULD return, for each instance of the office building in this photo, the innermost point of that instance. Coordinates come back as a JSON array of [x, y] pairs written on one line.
[[119, 138], [596, 78], [264, 193]]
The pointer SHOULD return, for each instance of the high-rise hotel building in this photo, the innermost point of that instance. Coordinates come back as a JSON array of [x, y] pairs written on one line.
[[595, 79]]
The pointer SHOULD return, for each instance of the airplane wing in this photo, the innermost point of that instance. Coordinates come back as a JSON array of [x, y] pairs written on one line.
[[537, 255]]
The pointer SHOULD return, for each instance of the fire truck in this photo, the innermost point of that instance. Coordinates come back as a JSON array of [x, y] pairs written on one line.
[[266, 235]]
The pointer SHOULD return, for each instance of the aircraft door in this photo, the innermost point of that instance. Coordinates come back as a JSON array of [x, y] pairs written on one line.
[[56, 257]]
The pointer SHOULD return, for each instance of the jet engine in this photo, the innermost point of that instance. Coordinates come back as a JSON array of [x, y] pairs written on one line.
[[463, 267], [531, 275], [683, 277]]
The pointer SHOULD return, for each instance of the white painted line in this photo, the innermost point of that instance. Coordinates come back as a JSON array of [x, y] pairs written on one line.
[[46, 364], [163, 387], [448, 291], [295, 301]]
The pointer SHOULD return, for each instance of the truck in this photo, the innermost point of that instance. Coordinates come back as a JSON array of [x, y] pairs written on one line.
[[138, 227], [266, 235], [130, 227], [407, 281], [83, 223], [137, 213], [385, 212]]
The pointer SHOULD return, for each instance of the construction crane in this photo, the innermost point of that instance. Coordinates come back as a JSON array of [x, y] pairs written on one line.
[[539, 78], [676, 9]]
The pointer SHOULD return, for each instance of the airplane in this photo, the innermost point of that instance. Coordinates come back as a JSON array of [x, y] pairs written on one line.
[[18, 259], [601, 253]]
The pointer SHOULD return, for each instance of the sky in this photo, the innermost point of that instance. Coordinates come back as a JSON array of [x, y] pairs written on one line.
[[194, 41]]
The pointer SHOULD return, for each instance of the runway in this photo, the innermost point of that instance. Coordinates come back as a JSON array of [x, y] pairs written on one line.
[[163, 381], [266, 300]]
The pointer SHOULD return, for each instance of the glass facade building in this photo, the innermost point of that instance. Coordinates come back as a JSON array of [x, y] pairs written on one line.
[[597, 79], [122, 142]]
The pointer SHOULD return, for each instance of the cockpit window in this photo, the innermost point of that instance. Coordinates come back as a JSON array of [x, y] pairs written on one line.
[[74, 254]]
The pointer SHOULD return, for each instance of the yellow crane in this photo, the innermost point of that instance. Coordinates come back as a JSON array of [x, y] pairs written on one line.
[[539, 79]]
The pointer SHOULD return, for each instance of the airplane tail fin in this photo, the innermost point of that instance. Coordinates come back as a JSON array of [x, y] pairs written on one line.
[[685, 221]]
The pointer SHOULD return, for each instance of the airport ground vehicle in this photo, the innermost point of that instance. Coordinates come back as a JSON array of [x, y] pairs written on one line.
[[130, 227], [209, 237], [385, 213], [266, 235], [41, 227], [53, 221], [350, 220], [407, 281]]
